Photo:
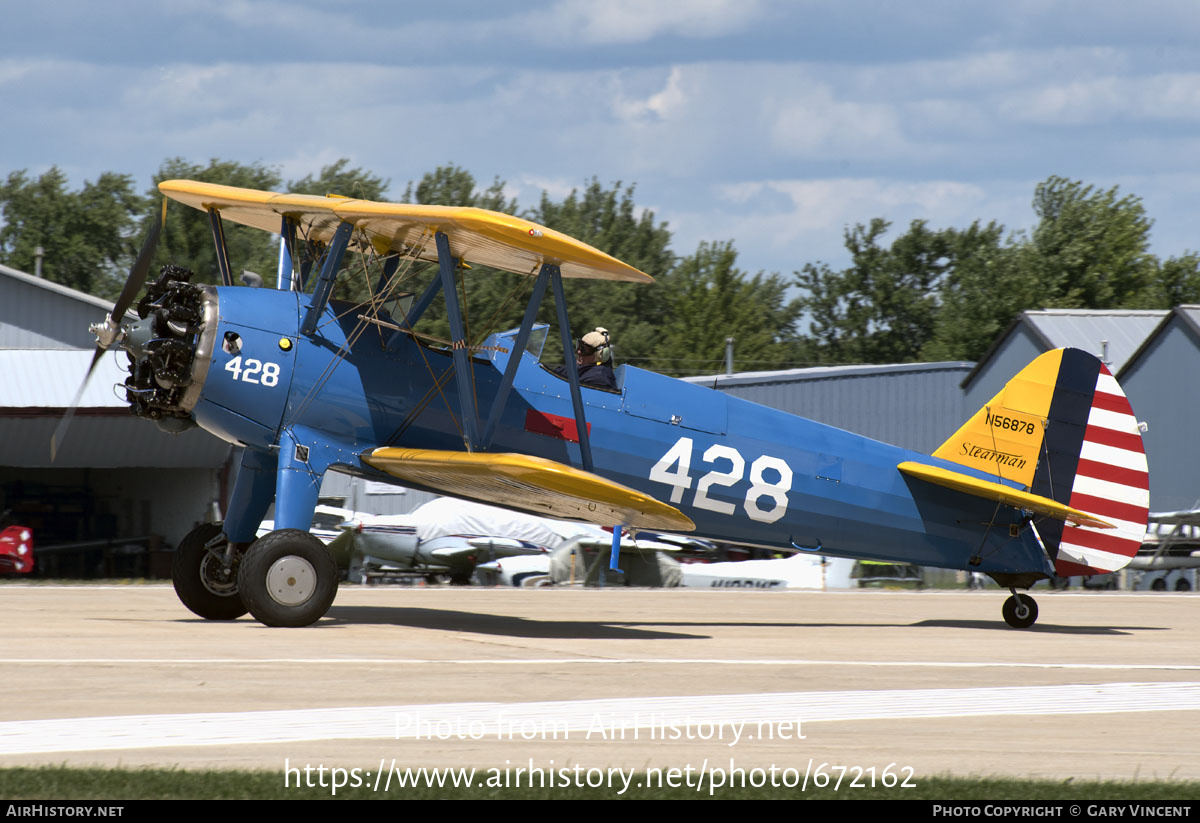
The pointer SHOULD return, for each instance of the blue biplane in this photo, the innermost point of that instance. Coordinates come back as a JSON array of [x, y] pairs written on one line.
[[1049, 479]]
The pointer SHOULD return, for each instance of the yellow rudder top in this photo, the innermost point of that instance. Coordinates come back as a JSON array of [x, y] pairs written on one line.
[[1005, 437]]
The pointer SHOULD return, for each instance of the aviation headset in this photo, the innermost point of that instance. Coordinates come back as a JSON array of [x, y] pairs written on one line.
[[598, 342]]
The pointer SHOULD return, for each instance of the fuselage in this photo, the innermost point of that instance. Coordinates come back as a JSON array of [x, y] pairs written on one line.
[[743, 472]]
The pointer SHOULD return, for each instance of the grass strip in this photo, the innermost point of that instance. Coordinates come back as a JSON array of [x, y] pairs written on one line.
[[70, 783]]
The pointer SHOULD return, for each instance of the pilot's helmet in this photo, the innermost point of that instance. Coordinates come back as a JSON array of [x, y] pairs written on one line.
[[597, 341]]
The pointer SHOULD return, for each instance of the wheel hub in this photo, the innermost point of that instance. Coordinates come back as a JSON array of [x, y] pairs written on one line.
[[291, 580], [216, 578]]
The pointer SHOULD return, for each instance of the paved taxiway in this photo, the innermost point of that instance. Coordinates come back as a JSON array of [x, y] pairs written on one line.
[[1105, 685]]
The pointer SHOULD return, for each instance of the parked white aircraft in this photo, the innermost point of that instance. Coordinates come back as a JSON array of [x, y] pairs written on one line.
[[1170, 554], [447, 537]]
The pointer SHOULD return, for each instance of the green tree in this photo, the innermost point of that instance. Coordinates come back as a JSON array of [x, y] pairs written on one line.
[[455, 186], [493, 298], [606, 218], [1091, 247], [359, 270], [989, 285], [187, 234], [1177, 281], [609, 219], [948, 294], [86, 236], [709, 300], [337, 179], [882, 308]]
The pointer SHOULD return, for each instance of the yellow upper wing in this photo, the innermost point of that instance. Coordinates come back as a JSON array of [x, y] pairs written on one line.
[[531, 484], [480, 236]]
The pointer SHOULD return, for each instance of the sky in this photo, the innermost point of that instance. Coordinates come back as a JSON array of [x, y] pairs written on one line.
[[773, 124]]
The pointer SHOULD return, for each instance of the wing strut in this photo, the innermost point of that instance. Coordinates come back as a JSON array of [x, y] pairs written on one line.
[[312, 251], [324, 287], [564, 328], [423, 302], [218, 233], [385, 277], [462, 356], [514, 357], [286, 278]]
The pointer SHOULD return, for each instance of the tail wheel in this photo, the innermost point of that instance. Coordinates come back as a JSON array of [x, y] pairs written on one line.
[[1020, 611], [202, 581], [288, 578]]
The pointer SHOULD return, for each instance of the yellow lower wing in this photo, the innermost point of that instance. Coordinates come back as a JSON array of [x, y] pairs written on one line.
[[532, 484], [1001, 493]]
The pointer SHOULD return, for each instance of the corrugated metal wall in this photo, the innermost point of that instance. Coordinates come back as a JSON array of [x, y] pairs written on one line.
[[914, 405], [373, 498], [1165, 394], [1016, 352]]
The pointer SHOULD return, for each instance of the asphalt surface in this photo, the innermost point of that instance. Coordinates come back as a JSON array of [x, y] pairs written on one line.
[[1105, 685]]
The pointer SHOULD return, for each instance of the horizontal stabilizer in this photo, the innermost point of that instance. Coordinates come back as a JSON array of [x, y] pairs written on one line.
[[530, 484], [1001, 493]]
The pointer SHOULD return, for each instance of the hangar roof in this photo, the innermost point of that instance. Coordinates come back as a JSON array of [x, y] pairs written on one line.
[[1124, 330], [1113, 335], [751, 378], [1189, 314], [57, 288], [38, 314]]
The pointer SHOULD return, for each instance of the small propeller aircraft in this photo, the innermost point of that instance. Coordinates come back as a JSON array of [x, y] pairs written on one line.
[[1048, 479], [445, 537]]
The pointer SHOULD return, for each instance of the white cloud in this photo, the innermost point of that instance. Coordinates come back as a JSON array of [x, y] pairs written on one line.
[[305, 160], [1109, 98], [667, 103], [529, 188], [779, 225], [636, 21], [832, 203], [817, 122], [779, 153], [14, 71]]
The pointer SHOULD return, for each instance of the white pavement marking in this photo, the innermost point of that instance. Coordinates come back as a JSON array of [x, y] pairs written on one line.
[[674, 718], [573, 661]]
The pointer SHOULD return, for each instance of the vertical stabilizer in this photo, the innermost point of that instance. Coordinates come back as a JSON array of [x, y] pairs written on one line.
[[1097, 464], [1064, 429], [1005, 437]]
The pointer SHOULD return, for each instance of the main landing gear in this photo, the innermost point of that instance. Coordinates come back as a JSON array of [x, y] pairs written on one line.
[[1020, 611], [204, 572], [285, 578]]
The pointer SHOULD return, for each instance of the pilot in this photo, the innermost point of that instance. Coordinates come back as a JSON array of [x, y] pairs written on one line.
[[593, 358]]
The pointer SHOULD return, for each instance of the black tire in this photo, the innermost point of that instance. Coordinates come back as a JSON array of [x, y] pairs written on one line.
[[201, 582], [1158, 584], [288, 578], [1020, 611], [1182, 585]]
